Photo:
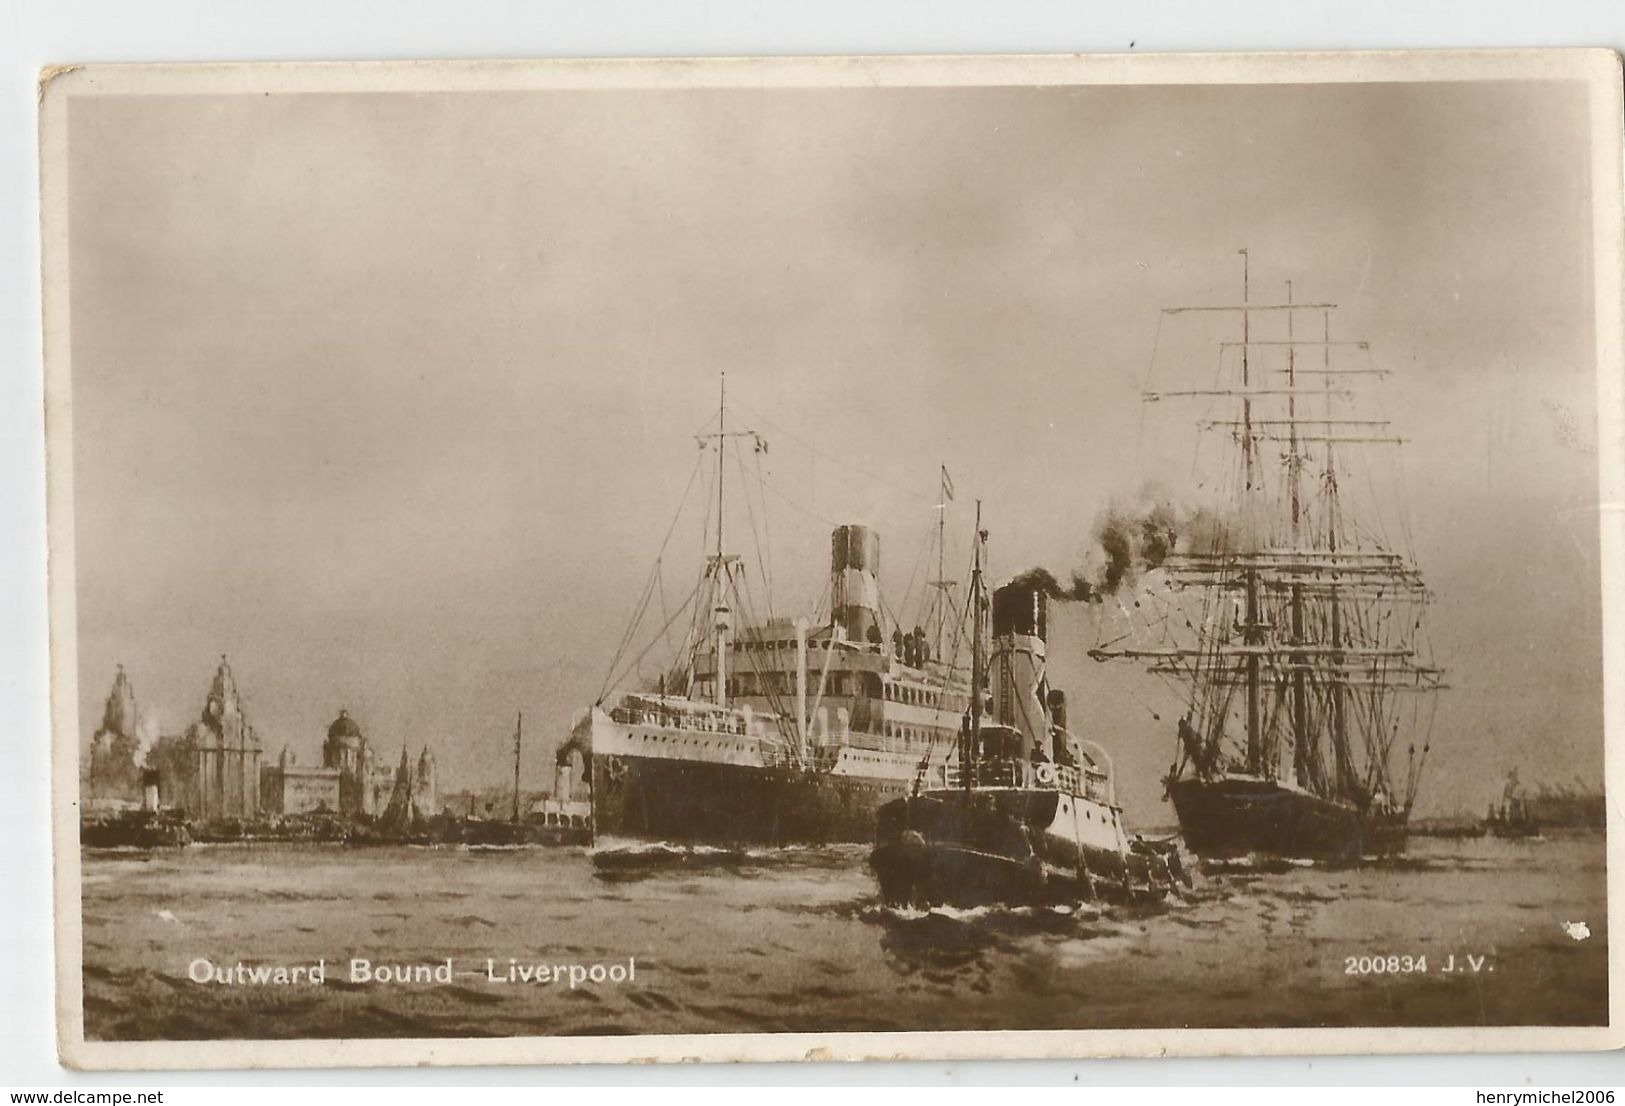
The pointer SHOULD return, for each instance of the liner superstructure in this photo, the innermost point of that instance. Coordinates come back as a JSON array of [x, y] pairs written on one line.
[[778, 731]]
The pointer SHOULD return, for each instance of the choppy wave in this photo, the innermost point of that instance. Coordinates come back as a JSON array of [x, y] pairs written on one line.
[[798, 940]]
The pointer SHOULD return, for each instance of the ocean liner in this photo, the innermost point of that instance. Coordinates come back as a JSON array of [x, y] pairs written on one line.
[[1290, 618], [772, 730], [1026, 813]]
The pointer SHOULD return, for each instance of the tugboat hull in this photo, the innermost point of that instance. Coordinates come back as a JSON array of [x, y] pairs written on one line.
[[1235, 817], [1015, 847], [137, 831]]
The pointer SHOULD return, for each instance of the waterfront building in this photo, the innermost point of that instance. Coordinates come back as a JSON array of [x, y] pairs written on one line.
[[351, 782], [212, 771], [114, 775]]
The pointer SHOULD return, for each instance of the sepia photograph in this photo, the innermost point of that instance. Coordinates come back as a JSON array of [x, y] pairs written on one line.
[[833, 558]]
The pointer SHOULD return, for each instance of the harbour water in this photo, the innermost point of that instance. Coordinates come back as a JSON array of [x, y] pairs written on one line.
[[1460, 932]]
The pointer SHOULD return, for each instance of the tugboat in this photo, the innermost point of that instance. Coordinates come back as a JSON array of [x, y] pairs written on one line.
[[1028, 815], [146, 828]]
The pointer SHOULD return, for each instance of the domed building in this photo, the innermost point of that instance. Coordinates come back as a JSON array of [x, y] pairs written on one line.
[[351, 782], [345, 743], [346, 751]]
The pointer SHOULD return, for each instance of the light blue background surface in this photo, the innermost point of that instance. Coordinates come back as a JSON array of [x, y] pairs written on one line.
[[38, 32]]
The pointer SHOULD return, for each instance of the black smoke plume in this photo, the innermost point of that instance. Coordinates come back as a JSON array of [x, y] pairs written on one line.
[[1131, 540]]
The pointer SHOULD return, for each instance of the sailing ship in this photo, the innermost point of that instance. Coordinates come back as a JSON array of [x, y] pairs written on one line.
[[1294, 623], [1027, 813], [767, 729]]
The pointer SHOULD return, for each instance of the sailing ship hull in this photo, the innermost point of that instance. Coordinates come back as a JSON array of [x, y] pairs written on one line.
[[690, 802], [1009, 846], [1233, 816]]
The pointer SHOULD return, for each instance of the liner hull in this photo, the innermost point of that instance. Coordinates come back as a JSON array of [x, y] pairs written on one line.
[[696, 802]]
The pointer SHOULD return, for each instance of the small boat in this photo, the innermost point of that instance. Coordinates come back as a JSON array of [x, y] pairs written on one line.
[[1028, 815], [146, 827], [479, 834], [136, 829], [517, 831]]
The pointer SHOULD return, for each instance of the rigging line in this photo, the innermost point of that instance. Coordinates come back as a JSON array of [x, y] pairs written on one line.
[[706, 425], [1156, 715], [705, 519], [1427, 744], [697, 630], [897, 623], [677, 515], [767, 528], [914, 573], [626, 641], [627, 635], [1145, 386], [1395, 463], [823, 682], [755, 534], [815, 516], [754, 656], [639, 658], [665, 613], [960, 736], [1401, 482], [958, 638], [1022, 704], [777, 429], [887, 610], [822, 609]]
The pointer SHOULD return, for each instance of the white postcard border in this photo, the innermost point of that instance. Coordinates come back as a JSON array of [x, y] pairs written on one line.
[[1600, 69]]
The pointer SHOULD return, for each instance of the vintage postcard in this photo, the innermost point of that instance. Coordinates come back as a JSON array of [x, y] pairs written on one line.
[[834, 558]]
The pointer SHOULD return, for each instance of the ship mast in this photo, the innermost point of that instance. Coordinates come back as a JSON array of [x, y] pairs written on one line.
[[1338, 683], [722, 432], [720, 565], [1252, 632], [1308, 623], [1300, 692], [518, 740], [967, 760], [942, 584]]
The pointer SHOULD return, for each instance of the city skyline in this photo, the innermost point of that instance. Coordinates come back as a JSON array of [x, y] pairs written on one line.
[[394, 409]]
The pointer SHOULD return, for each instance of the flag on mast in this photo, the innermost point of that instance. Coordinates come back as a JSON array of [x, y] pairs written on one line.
[[947, 486]]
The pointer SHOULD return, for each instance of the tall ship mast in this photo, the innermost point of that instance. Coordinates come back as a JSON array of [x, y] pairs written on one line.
[[1292, 618], [767, 728]]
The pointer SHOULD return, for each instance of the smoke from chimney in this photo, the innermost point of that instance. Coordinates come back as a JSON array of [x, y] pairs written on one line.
[[147, 729], [1131, 539]]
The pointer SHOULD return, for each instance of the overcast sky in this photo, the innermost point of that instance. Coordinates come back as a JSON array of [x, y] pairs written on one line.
[[391, 397]]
